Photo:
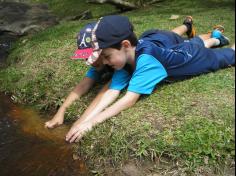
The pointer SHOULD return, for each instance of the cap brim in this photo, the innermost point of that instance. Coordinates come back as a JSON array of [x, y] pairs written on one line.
[[82, 53]]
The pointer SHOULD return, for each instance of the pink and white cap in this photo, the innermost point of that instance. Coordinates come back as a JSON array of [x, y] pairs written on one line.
[[88, 48]]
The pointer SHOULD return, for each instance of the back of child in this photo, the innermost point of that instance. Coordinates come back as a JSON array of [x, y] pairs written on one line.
[[183, 58]]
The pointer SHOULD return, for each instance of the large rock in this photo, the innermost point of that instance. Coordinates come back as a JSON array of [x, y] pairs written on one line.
[[20, 18], [17, 19]]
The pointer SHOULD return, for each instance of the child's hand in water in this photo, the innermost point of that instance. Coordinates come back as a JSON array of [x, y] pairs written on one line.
[[78, 130], [57, 120]]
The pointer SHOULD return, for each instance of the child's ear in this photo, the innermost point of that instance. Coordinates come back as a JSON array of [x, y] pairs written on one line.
[[126, 43]]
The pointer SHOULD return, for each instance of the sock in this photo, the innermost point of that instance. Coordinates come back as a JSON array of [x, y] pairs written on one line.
[[217, 42], [189, 27]]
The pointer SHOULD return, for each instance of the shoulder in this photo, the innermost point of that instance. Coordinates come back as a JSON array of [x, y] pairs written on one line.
[[146, 63], [146, 60], [145, 47]]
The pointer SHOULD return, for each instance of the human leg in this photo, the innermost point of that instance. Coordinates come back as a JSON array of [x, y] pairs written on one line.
[[211, 42], [209, 34], [233, 46], [187, 28], [180, 30], [207, 43], [214, 59], [221, 58], [217, 39], [191, 32], [167, 39], [164, 39], [205, 36], [200, 60]]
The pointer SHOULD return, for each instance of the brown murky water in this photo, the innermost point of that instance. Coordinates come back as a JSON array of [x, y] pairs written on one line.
[[28, 149]]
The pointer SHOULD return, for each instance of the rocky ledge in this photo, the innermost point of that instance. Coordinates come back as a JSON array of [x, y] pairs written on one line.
[[18, 19]]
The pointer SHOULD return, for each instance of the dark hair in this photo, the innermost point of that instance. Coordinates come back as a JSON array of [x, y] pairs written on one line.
[[132, 39]]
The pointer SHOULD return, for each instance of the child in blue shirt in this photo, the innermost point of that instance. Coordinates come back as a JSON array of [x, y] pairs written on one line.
[[141, 65], [100, 73]]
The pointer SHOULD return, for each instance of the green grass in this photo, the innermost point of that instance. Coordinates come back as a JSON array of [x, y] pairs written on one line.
[[189, 122]]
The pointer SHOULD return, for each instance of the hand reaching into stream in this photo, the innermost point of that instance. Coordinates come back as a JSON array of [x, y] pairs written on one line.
[[56, 121], [78, 130]]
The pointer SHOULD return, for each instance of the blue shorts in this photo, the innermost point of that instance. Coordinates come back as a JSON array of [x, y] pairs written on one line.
[[196, 40], [201, 60], [163, 39]]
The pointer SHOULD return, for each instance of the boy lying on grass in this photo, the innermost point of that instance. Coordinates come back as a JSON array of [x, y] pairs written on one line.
[[137, 64]]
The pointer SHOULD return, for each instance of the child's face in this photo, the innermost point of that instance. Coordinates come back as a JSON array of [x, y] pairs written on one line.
[[117, 59], [114, 57]]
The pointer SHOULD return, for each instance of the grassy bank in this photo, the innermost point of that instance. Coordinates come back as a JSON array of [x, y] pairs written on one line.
[[188, 124]]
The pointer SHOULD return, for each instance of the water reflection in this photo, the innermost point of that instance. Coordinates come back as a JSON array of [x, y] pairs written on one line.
[[26, 148]]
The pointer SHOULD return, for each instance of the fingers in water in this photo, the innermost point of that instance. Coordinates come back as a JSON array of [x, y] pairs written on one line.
[[75, 137]]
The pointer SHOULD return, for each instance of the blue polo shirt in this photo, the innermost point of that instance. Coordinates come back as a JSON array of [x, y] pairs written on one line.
[[93, 74], [148, 72]]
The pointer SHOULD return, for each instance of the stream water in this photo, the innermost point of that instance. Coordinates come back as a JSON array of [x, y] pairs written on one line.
[[6, 41], [28, 149]]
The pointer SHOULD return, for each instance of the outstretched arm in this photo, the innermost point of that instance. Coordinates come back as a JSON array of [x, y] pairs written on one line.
[[108, 97], [82, 88], [78, 130], [95, 101]]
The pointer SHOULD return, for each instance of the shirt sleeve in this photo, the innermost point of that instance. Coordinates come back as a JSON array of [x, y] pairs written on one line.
[[120, 79], [149, 71], [93, 74]]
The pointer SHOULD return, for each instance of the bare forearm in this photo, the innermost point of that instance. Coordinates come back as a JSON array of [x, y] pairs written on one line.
[[82, 88], [79, 90], [79, 129], [95, 101], [122, 104], [109, 97], [69, 100]]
